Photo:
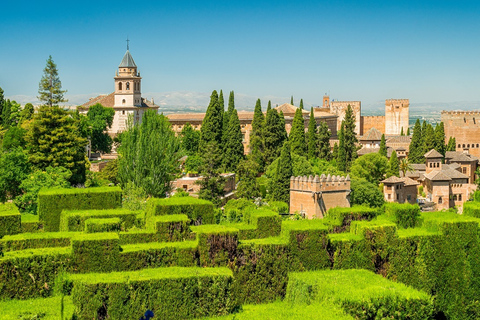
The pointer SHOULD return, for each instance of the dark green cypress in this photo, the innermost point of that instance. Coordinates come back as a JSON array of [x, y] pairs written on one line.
[[6, 113], [335, 151], [428, 139], [281, 186], [401, 132], [440, 138], [312, 140], [393, 165], [350, 138], [452, 145], [297, 134], [212, 127], [408, 131], [233, 146], [2, 102], [269, 106], [273, 136], [226, 115], [324, 142], [283, 127], [291, 101], [301, 104], [383, 146], [257, 139], [341, 153], [415, 152]]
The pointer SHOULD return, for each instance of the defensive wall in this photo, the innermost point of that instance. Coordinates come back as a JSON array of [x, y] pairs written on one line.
[[396, 116], [369, 122], [464, 126]]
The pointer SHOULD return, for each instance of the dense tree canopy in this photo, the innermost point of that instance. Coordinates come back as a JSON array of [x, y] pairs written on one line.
[[280, 188], [99, 119], [366, 193], [50, 87], [324, 141], [393, 165], [212, 125], [273, 136], [371, 167], [190, 139]]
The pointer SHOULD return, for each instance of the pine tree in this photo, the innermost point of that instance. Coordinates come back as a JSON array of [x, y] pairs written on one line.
[[50, 87], [273, 136], [233, 146], [341, 153], [301, 104], [440, 138], [415, 152], [350, 138], [212, 127], [452, 145], [312, 138], [324, 142], [401, 132], [281, 186], [408, 131], [393, 165], [383, 146], [291, 101], [429, 142], [297, 134]]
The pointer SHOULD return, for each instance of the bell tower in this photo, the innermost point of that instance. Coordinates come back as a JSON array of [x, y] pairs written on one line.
[[127, 83]]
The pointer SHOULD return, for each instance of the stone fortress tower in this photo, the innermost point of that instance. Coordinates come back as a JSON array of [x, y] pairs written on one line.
[[339, 108], [396, 116]]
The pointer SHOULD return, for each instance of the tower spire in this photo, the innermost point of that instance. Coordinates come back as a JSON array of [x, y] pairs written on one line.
[[127, 42]]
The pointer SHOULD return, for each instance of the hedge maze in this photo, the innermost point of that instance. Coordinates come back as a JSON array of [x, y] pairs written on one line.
[[88, 258]]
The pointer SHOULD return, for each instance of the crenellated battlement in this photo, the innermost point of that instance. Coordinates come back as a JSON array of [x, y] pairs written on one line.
[[320, 184], [461, 113], [397, 101]]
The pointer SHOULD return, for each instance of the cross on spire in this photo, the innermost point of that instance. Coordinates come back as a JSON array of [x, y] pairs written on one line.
[[127, 42]]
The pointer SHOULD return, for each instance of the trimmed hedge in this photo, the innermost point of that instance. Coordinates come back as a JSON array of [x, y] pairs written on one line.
[[36, 240], [171, 293], [405, 215], [31, 223], [173, 228], [217, 244], [103, 225], [75, 220], [198, 211], [264, 223], [472, 208], [361, 293], [10, 219], [339, 219], [53, 201], [96, 252]]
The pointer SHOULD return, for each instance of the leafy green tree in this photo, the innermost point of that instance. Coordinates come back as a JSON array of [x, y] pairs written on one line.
[[415, 154], [190, 139], [212, 127], [429, 142], [452, 144], [193, 163], [405, 167], [297, 134], [312, 137], [341, 152], [323, 141], [322, 166], [212, 184], [366, 193], [269, 105], [350, 138], [371, 167], [280, 190], [383, 146], [14, 113], [247, 179], [301, 104], [50, 87], [14, 168], [110, 172], [440, 138], [51, 177], [257, 138], [148, 155], [273, 136], [99, 119], [13, 138], [27, 112], [300, 167], [134, 197], [234, 145], [393, 165], [53, 141]]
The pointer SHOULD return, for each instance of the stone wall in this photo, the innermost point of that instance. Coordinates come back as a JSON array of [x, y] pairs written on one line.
[[464, 126], [369, 122], [396, 116], [313, 196], [340, 107]]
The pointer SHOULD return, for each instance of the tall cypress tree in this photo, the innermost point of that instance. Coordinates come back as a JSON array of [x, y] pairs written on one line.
[[212, 128], [233, 146], [452, 145], [350, 138], [440, 138], [324, 142], [415, 151], [335, 151], [297, 134], [341, 153], [283, 127], [429, 142], [408, 131], [226, 115], [257, 139], [273, 136], [2, 102], [312, 140], [291, 101], [269, 106], [281, 186], [401, 132], [393, 165], [7, 107], [383, 146], [50, 87], [301, 104]]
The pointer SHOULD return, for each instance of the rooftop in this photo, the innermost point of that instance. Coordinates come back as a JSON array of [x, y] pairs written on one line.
[[127, 61], [372, 135]]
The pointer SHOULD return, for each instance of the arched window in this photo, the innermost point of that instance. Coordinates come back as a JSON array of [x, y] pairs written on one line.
[[123, 111], [119, 86], [440, 200], [128, 86], [123, 101]]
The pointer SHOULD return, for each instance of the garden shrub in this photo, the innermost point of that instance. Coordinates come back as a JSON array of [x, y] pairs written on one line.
[[96, 252], [279, 207], [172, 228], [52, 202], [24, 241], [350, 251], [171, 293], [234, 210], [405, 215], [339, 219], [259, 223], [75, 220], [10, 219], [472, 208], [30, 223], [198, 211], [217, 244], [361, 293], [103, 225]]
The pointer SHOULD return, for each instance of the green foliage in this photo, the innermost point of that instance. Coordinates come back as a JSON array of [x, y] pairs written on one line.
[[99, 119], [440, 138], [429, 139], [110, 171], [51, 202], [321, 166], [257, 135], [233, 148], [416, 153], [149, 155], [103, 225], [301, 104], [193, 163], [39, 240], [405, 166], [339, 219], [50, 87], [371, 167], [365, 193], [393, 165], [198, 211], [323, 143], [405, 215], [53, 140], [297, 134], [50, 178], [93, 179], [472, 208], [96, 252], [350, 138], [452, 145], [134, 197], [273, 134], [341, 152], [40, 308], [212, 184], [75, 220], [383, 146], [27, 112], [13, 138], [190, 139], [280, 187], [173, 293], [247, 183], [10, 221], [2, 104], [211, 130], [278, 206], [300, 167], [14, 168]]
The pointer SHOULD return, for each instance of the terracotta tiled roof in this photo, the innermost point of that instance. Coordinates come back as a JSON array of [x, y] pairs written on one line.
[[106, 100], [455, 156], [437, 175], [410, 182], [186, 116], [399, 139], [419, 166], [288, 108], [372, 135], [393, 179], [433, 154]]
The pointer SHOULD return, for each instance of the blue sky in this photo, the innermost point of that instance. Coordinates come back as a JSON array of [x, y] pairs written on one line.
[[427, 51]]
